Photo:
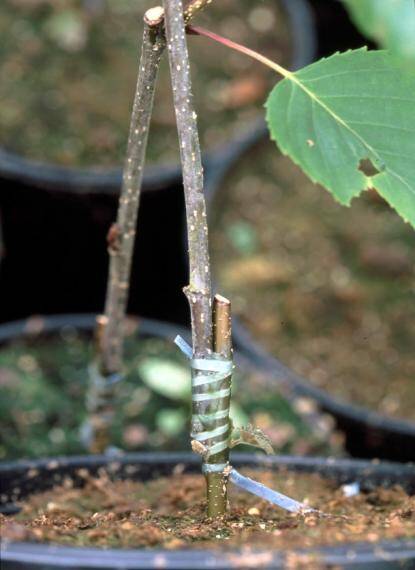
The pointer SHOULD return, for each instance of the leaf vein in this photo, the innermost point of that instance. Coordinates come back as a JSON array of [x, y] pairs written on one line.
[[381, 125], [341, 121], [322, 154], [375, 97], [347, 72], [391, 153]]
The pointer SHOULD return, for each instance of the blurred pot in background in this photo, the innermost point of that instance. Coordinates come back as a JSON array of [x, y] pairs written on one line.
[[330, 295], [56, 217], [44, 362], [74, 113]]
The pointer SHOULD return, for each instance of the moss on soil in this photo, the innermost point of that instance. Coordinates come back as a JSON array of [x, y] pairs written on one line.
[[170, 513], [44, 381], [328, 290], [68, 76]]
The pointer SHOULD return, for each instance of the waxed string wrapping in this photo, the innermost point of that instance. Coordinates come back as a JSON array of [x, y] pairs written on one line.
[[101, 381], [268, 494], [100, 384], [208, 371], [100, 390]]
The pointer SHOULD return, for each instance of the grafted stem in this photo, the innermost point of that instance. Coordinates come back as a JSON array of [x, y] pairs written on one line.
[[211, 373], [121, 237]]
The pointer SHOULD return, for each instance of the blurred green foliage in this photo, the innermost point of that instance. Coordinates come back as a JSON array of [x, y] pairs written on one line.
[[43, 385], [390, 23]]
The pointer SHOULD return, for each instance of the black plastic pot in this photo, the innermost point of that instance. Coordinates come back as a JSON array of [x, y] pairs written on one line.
[[55, 221], [20, 479], [36, 326], [94, 180], [368, 433], [40, 329], [55, 254], [335, 30]]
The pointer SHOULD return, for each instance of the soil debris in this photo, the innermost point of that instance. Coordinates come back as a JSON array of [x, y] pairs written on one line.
[[170, 513]]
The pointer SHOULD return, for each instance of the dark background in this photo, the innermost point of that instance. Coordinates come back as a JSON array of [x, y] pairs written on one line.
[[55, 258]]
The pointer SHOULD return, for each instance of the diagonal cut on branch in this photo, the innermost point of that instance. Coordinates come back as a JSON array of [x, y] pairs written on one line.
[[222, 345]]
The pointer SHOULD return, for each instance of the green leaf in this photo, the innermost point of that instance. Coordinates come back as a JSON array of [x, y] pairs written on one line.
[[243, 237], [166, 378], [239, 417], [68, 30], [351, 108], [390, 23], [171, 422]]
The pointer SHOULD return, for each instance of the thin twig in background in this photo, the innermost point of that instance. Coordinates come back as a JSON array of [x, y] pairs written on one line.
[[122, 234]]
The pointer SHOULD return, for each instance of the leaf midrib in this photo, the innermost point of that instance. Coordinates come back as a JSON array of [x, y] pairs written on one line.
[[342, 122]]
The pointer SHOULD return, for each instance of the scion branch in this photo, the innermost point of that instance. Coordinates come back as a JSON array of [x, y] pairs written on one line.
[[198, 291]]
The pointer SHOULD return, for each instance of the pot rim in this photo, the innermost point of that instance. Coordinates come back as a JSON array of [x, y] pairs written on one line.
[[47, 324], [334, 467], [294, 384], [353, 419]]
